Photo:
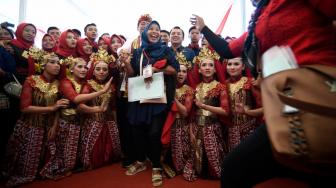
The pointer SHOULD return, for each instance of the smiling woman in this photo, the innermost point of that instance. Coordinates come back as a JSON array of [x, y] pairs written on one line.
[[147, 119]]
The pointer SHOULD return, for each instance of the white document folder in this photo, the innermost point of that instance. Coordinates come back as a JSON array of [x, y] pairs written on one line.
[[139, 90]]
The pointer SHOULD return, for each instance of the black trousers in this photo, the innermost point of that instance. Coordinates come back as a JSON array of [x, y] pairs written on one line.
[[125, 131], [147, 139], [252, 162]]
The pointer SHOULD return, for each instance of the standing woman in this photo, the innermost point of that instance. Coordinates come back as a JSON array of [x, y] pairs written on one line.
[[100, 143], [67, 45], [64, 155], [39, 102], [207, 137], [25, 38], [245, 103], [49, 43], [147, 119], [84, 49]]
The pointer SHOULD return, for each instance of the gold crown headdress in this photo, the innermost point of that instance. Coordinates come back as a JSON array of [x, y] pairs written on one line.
[[37, 55], [206, 53], [39, 65], [102, 55], [180, 57], [69, 62]]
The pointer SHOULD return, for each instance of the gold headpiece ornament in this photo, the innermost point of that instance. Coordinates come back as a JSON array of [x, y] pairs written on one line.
[[39, 65], [180, 57], [37, 55], [206, 53], [102, 55], [70, 63]]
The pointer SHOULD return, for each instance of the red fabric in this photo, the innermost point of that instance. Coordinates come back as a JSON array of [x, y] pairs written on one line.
[[31, 66], [222, 24], [305, 26], [20, 42], [80, 50], [236, 46], [193, 77], [118, 37], [49, 50], [26, 97], [160, 64], [63, 48], [67, 89], [225, 104], [220, 74], [165, 137], [103, 149], [94, 44]]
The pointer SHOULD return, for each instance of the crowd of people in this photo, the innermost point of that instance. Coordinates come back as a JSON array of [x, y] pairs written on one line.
[[73, 112]]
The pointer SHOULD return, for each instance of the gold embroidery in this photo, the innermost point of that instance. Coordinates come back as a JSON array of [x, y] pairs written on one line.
[[203, 88], [45, 87], [235, 87], [136, 43], [78, 87], [181, 91], [97, 87], [201, 93]]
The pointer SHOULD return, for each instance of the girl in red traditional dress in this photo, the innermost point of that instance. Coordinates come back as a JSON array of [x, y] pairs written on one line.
[[245, 103], [100, 136], [64, 155], [207, 137], [178, 119], [39, 102]]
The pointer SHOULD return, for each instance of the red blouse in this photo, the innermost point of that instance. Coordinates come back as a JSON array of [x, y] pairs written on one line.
[[304, 25], [67, 89]]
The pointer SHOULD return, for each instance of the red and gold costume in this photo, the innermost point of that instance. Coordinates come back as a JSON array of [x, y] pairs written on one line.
[[26, 146], [100, 142], [243, 125], [64, 151], [180, 139], [207, 137]]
